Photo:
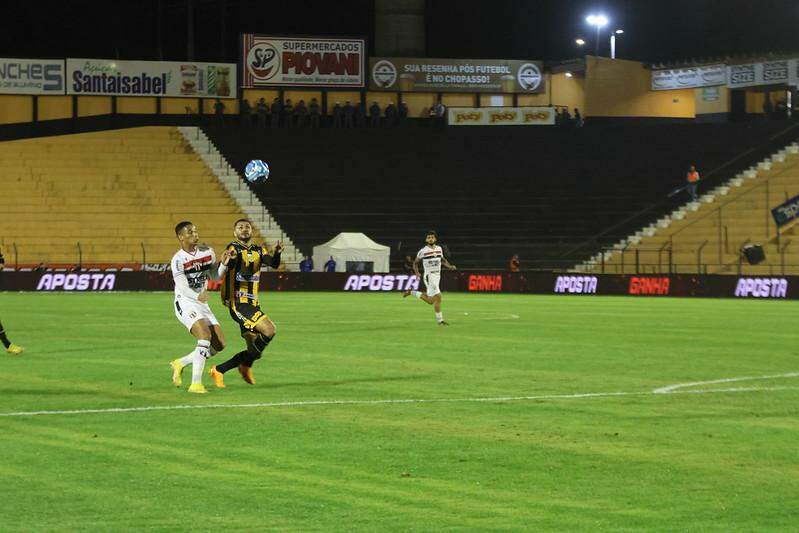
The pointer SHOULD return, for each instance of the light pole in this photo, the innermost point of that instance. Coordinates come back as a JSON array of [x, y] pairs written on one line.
[[600, 21], [613, 43]]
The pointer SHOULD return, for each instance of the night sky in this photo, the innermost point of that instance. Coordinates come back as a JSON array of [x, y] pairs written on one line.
[[655, 30]]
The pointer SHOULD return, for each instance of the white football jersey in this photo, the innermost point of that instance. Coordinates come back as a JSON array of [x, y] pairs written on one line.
[[431, 257], [195, 267]]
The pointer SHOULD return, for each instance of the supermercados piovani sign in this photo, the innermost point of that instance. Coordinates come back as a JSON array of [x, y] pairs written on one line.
[[150, 78]]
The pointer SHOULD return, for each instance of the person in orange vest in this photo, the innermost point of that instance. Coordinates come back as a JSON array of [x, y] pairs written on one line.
[[693, 180]]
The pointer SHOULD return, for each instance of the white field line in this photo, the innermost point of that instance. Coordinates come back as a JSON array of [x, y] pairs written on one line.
[[672, 388], [305, 403]]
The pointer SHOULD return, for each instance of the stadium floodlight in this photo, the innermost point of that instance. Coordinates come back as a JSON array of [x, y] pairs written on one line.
[[613, 43], [569, 74], [600, 21], [579, 41]]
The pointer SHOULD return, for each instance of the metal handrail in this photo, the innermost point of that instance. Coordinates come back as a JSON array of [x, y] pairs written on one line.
[[782, 255], [699, 257], [143, 254], [663, 203], [80, 255]]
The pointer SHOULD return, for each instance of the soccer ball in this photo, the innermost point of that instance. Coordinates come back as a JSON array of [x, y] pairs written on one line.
[[256, 171]]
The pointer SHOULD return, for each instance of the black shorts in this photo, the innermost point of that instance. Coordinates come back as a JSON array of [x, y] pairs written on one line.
[[247, 316]]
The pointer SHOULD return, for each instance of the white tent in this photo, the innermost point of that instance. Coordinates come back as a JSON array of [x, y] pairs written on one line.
[[351, 247]]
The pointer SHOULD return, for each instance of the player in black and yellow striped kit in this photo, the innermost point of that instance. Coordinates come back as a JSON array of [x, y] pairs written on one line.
[[240, 296]]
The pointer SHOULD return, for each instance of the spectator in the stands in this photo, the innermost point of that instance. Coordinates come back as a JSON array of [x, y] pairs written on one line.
[[277, 110], [438, 113], [330, 266], [578, 119], [245, 112], [768, 107], [514, 265], [306, 265], [391, 115], [349, 114], [408, 264], [360, 115], [300, 112], [315, 112], [402, 113], [565, 117], [263, 110], [219, 110], [337, 118], [374, 115], [288, 114], [692, 178]]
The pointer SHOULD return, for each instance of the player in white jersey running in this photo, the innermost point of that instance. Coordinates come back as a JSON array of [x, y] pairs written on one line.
[[432, 258], [192, 266]]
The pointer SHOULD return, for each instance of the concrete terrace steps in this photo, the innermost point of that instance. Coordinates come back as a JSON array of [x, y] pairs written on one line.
[[748, 215], [248, 202]]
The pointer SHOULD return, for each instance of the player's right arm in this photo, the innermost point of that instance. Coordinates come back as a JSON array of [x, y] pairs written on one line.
[[181, 283], [416, 264]]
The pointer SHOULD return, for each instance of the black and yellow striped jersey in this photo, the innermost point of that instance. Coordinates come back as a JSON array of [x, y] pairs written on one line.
[[240, 285]]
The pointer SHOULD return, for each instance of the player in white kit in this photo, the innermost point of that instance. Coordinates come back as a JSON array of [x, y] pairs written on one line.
[[192, 266], [432, 258]]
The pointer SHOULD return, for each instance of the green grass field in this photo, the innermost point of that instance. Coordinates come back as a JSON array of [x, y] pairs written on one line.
[[684, 461]]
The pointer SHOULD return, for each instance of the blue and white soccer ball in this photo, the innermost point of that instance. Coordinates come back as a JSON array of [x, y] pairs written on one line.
[[256, 171]]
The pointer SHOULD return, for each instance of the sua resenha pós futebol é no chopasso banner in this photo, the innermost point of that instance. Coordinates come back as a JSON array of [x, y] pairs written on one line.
[[407, 74], [151, 78]]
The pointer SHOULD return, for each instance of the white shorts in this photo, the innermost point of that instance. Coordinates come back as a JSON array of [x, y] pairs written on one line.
[[189, 312], [432, 282]]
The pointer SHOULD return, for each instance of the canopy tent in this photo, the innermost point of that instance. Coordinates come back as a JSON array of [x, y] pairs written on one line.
[[354, 247]]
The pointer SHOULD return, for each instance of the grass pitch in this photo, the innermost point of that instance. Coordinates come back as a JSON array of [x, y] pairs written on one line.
[[709, 461]]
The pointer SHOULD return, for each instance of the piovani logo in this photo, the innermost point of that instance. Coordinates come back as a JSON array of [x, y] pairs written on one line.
[[384, 74], [529, 76], [263, 61]]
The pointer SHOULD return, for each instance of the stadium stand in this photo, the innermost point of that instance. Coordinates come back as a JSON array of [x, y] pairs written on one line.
[[110, 197], [549, 194], [707, 237]]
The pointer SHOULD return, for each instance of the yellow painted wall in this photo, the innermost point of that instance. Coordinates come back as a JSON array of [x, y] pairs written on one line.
[[620, 88], [755, 99], [177, 106], [55, 107], [722, 105], [253, 95], [453, 99], [16, 108], [306, 96], [231, 106], [568, 92], [94, 105], [138, 105], [419, 104]]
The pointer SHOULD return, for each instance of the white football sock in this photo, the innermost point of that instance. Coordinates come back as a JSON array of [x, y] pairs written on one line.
[[416, 294], [187, 359], [200, 354], [440, 317]]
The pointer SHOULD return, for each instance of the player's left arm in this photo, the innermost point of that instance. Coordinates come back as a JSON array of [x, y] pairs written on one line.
[[447, 264], [274, 259]]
